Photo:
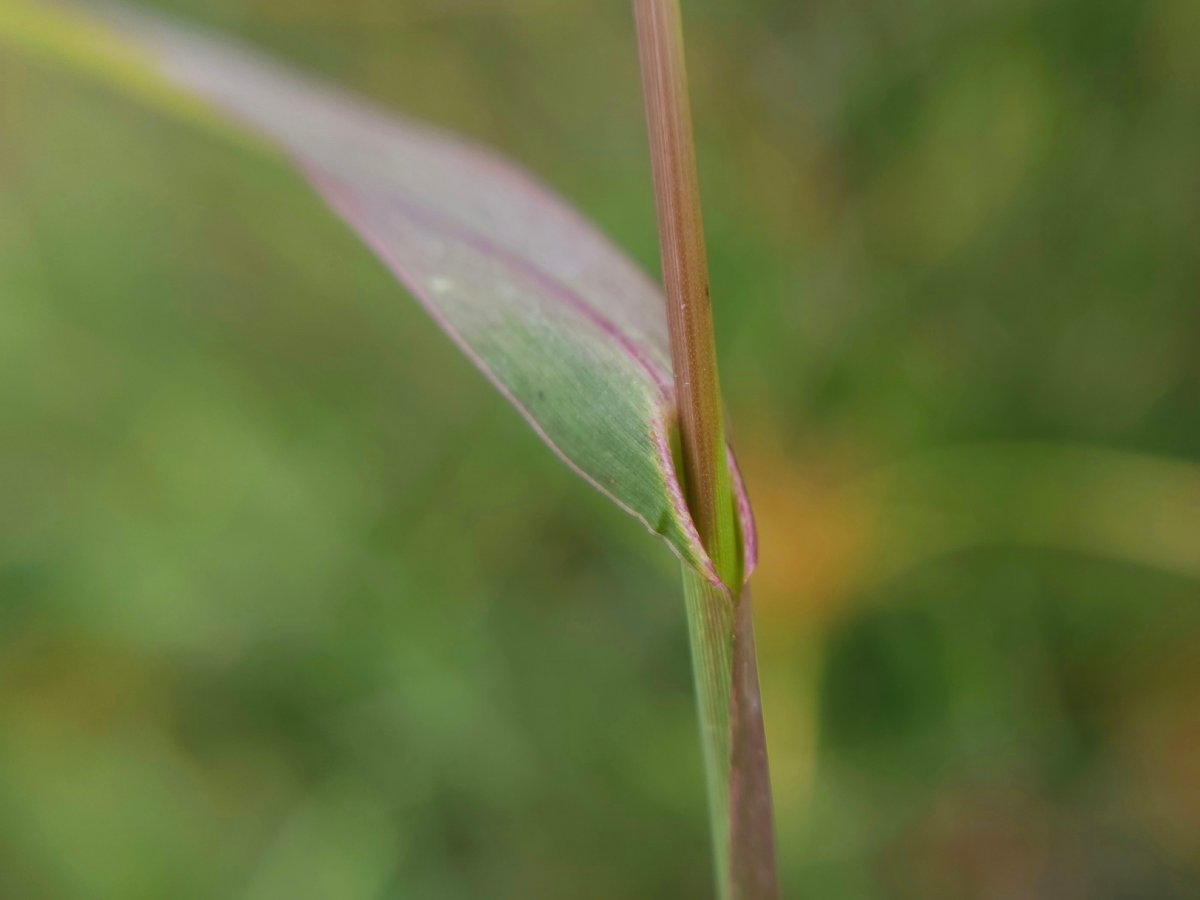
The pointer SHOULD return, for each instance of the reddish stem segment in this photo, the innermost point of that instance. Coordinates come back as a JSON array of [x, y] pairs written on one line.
[[685, 274], [751, 821]]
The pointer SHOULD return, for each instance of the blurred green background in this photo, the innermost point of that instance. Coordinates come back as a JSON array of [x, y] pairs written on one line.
[[292, 606]]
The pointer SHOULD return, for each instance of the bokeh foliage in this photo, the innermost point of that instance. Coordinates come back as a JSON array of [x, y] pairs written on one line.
[[292, 606]]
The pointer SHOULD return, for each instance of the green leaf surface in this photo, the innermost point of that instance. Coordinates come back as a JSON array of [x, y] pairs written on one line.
[[569, 330]]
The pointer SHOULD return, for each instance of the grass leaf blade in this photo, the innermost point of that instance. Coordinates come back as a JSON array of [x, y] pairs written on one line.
[[570, 331]]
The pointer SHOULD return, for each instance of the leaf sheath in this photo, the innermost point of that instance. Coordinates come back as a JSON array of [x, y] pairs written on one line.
[[751, 820], [710, 630]]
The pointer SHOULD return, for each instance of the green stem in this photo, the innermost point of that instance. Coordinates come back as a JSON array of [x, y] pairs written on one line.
[[710, 632]]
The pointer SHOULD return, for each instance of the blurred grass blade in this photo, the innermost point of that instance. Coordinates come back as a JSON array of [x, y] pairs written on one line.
[[567, 328]]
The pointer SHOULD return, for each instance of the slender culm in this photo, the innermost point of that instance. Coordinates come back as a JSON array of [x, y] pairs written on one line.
[[720, 625], [685, 278]]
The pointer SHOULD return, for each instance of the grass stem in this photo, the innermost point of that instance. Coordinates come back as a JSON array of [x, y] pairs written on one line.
[[720, 626], [685, 278]]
